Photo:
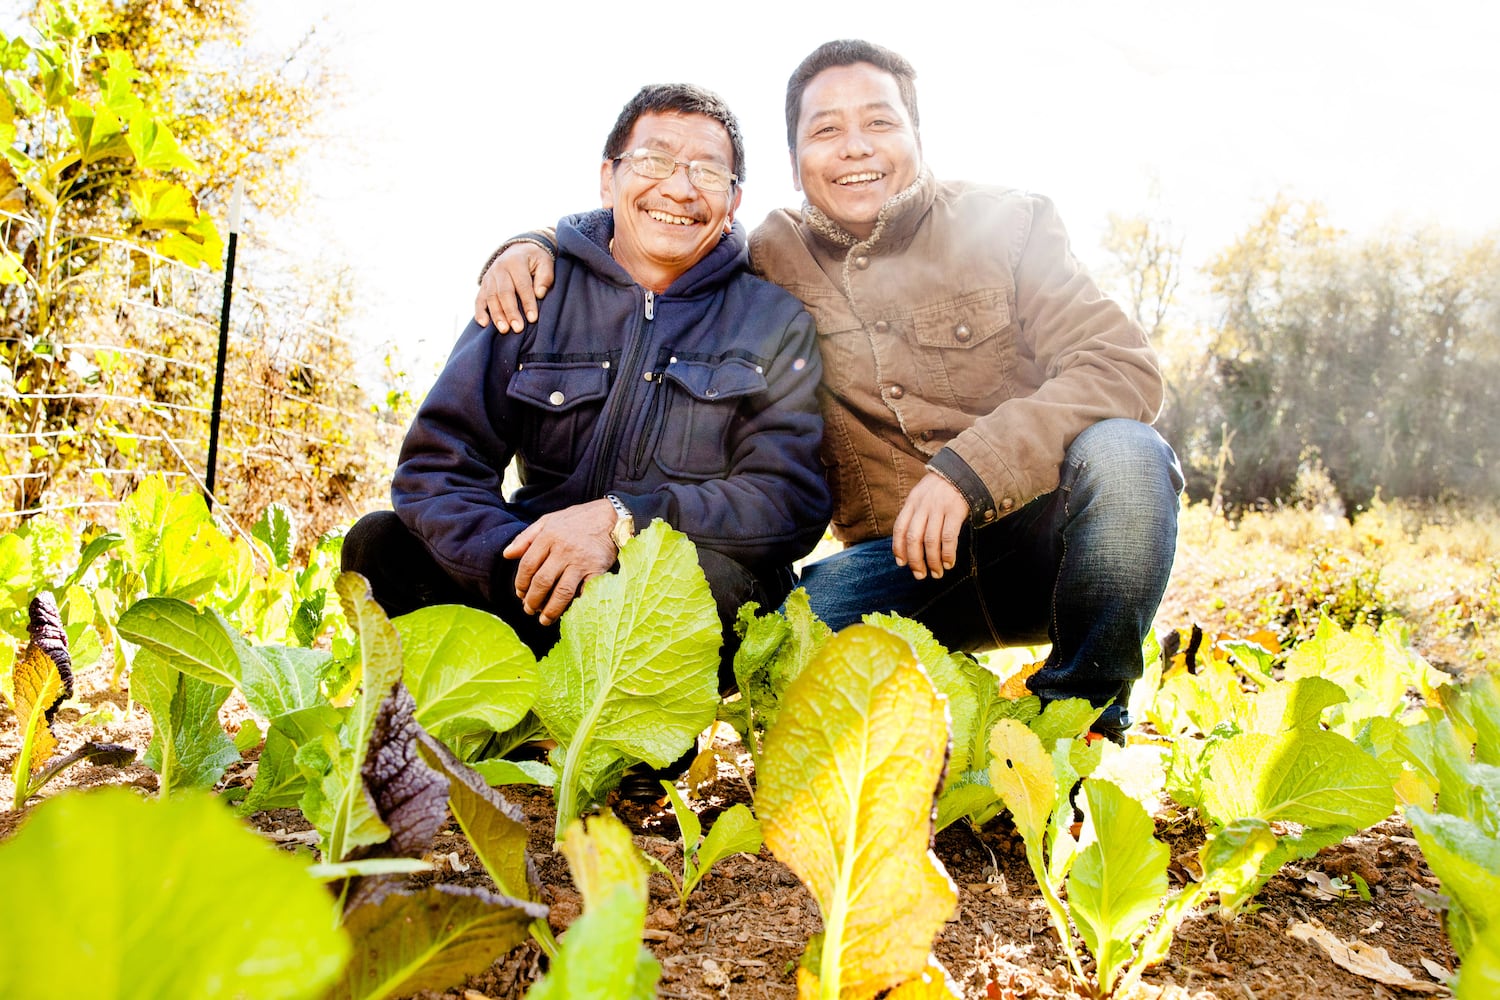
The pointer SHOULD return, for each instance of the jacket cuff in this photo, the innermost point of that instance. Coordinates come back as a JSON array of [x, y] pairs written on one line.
[[535, 238], [963, 478]]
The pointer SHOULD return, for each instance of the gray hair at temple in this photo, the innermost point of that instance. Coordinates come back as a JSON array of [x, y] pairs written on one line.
[[682, 99], [847, 52]]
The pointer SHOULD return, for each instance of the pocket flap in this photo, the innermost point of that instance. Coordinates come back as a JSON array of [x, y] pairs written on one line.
[[713, 381], [962, 323], [558, 386]]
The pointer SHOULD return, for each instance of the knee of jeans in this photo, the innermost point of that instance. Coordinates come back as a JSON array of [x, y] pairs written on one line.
[[1122, 453]]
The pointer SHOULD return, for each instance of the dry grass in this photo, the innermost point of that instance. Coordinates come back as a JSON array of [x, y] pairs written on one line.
[[1435, 566]]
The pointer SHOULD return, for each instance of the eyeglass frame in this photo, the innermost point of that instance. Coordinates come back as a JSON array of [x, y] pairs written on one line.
[[690, 166]]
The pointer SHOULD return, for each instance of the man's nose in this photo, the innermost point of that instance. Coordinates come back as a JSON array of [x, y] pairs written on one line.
[[857, 145], [676, 184]]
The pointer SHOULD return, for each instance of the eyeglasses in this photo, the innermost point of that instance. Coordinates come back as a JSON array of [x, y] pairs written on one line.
[[659, 166]]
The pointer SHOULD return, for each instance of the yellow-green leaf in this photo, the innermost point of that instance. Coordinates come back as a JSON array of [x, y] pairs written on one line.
[[847, 785], [1021, 775], [38, 685]]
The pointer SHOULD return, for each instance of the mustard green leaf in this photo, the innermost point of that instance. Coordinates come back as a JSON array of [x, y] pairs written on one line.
[[279, 680], [275, 528], [496, 829], [1233, 859], [38, 687], [1297, 704], [1484, 711], [170, 539], [197, 642], [773, 650], [1021, 776], [469, 673], [957, 678], [1307, 777], [410, 796], [1466, 861], [1479, 975], [1064, 720], [498, 771], [178, 899], [634, 673], [279, 781], [848, 780], [428, 939], [735, 831], [189, 748], [1118, 880]]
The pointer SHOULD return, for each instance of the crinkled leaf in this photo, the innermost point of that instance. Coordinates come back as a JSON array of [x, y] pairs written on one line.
[[337, 803], [177, 900], [429, 939], [38, 687], [774, 649], [276, 529], [1465, 860], [470, 674], [279, 680], [957, 678], [1233, 858], [496, 829], [200, 643], [1021, 777], [170, 539], [1307, 777], [634, 674], [410, 797], [602, 957], [1295, 704], [848, 781], [279, 781], [1118, 881], [1064, 720], [188, 748]]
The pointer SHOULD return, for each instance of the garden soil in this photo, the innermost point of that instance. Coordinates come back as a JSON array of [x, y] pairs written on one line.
[[744, 927]]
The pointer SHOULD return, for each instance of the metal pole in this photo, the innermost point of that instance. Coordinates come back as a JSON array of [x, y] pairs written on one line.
[[213, 427]]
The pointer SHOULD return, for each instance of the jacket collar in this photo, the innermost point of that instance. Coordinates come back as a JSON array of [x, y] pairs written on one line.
[[898, 219], [586, 237]]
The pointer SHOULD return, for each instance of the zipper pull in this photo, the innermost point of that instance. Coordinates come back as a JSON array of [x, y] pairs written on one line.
[[650, 304]]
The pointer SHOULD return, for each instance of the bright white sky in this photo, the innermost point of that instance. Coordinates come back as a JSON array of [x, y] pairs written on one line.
[[465, 122]]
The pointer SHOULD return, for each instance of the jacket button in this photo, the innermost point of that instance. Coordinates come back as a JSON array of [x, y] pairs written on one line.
[[897, 392], [556, 399], [861, 262], [962, 334], [927, 435], [711, 393], [881, 326], [989, 515], [1007, 504]]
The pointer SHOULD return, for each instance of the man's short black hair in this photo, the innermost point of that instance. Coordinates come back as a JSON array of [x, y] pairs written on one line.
[[683, 99], [847, 52]]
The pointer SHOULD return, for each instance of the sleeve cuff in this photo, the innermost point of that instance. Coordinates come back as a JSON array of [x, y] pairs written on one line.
[[961, 477]]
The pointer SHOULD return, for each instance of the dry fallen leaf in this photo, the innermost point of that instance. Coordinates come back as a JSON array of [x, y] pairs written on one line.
[[1362, 959], [1436, 971]]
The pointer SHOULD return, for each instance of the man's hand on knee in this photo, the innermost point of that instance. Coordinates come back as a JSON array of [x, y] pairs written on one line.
[[558, 554], [925, 537]]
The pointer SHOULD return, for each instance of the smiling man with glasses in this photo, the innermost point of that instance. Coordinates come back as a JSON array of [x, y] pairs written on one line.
[[993, 468], [660, 379]]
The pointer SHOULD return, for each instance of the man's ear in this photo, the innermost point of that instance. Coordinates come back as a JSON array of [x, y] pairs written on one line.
[[734, 206], [796, 173], [607, 185]]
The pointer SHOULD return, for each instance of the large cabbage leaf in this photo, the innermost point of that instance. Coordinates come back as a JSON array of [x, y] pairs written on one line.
[[634, 675], [848, 782]]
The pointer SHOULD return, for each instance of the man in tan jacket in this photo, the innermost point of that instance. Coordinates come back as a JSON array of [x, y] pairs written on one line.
[[986, 406]]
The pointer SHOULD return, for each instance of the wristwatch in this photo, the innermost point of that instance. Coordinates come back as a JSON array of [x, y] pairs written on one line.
[[624, 529]]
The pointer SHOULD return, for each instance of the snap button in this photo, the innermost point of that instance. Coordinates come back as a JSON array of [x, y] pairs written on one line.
[[556, 399], [962, 334], [1007, 504], [897, 392], [881, 326], [605, 365], [989, 516], [861, 262]]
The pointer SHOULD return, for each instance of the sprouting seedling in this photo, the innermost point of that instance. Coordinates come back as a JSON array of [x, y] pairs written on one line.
[[736, 831], [43, 680]]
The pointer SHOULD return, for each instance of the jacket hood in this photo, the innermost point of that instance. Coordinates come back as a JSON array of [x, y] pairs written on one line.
[[586, 237]]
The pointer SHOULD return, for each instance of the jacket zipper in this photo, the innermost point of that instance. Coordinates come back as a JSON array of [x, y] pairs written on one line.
[[613, 410]]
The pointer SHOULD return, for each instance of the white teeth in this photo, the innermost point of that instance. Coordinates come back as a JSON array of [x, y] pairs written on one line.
[[668, 217], [859, 178]]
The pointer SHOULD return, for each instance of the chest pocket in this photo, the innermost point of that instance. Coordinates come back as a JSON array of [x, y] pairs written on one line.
[[703, 398], [967, 346], [562, 404]]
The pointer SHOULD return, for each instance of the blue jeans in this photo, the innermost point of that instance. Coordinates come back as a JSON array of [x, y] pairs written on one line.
[[1083, 567]]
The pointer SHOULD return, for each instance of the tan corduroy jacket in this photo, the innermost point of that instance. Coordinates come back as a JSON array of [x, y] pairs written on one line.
[[963, 337]]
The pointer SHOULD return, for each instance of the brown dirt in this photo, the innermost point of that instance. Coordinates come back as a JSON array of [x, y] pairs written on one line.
[[746, 924]]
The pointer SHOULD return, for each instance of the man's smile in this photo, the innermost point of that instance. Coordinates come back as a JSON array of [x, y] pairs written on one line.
[[672, 218], [863, 177]]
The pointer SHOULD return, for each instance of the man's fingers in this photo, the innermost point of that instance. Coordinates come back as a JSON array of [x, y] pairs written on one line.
[[562, 595]]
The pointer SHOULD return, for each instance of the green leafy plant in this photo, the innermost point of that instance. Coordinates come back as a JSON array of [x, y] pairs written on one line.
[[848, 778], [176, 899], [774, 648], [634, 674], [735, 831], [602, 957]]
